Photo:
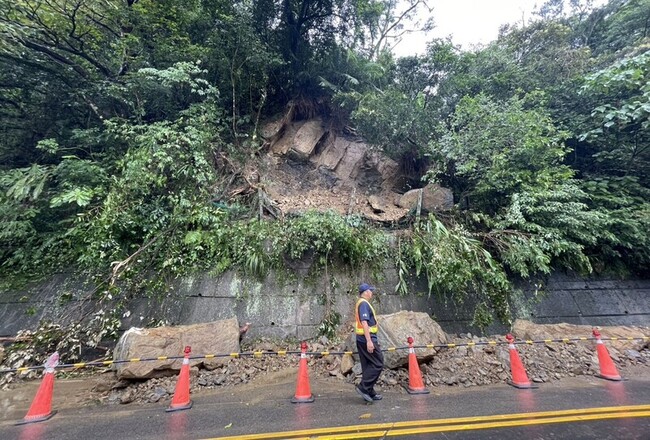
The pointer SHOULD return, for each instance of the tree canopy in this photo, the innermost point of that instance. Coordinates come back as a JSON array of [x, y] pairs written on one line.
[[120, 121]]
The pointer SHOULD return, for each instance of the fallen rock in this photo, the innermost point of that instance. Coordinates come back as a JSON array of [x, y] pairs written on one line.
[[347, 363], [209, 338], [394, 329], [524, 329], [434, 198]]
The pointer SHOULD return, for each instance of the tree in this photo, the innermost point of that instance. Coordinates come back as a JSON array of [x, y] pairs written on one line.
[[493, 150]]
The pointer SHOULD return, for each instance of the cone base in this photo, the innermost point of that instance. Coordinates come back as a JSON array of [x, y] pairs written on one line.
[[179, 407], [417, 391], [523, 386], [25, 421], [309, 399], [612, 378]]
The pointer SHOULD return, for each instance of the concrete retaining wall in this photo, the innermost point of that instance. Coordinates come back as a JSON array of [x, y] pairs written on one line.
[[294, 309]]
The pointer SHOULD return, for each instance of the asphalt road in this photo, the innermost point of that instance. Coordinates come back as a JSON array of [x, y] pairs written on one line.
[[579, 408]]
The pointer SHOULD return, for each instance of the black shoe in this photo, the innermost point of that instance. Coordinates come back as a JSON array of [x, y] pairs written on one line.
[[377, 397], [367, 397]]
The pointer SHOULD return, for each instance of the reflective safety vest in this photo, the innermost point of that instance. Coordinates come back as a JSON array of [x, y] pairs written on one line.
[[359, 328]]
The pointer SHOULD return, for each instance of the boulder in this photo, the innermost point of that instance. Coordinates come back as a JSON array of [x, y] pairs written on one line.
[[523, 329], [434, 198], [271, 129], [306, 139], [2, 354], [377, 204], [394, 329], [219, 337]]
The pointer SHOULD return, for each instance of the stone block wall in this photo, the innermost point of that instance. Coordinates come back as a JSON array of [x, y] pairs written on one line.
[[293, 309]]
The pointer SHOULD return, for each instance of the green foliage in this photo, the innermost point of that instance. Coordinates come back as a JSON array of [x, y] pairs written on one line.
[[554, 225], [619, 143], [122, 122], [494, 150], [331, 236], [458, 268]]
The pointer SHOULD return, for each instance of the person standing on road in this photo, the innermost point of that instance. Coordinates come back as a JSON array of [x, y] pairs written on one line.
[[370, 355]]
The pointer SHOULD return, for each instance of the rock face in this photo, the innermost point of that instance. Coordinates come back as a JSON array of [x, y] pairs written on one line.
[[219, 337], [527, 330], [306, 138], [312, 167]]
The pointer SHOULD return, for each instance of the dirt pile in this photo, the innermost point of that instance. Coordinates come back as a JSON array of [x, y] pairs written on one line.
[[460, 367]]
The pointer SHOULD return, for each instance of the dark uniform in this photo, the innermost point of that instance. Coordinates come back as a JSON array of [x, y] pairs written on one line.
[[372, 364]]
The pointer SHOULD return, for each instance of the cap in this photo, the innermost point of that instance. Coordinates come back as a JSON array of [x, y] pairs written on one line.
[[363, 287]]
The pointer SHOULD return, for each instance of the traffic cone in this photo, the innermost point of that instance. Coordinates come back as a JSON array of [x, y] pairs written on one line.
[[181, 399], [303, 390], [416, 386], [41, 408], [607, 368], [519, 376]]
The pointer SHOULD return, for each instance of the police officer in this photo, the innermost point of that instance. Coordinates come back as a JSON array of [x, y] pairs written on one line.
[[370, 355]]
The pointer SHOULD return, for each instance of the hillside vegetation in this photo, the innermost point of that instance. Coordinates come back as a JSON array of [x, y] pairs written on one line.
[[128, 128]]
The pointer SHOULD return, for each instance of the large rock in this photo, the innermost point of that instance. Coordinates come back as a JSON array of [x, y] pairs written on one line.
[[523, 329], [306, 139], [2, 354], [283, 145], [332, 154], [271, 129], [434, 198], [394, 330], [219, 337]]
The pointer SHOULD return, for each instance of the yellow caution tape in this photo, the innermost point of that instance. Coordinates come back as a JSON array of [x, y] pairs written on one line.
[[134, 360], [162, 358], [209, 356]]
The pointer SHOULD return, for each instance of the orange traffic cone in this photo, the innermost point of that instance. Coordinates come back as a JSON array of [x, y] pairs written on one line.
[[303, 390], [416, 386], [181, 399], [41, 408], [519, 376], [607, 368]]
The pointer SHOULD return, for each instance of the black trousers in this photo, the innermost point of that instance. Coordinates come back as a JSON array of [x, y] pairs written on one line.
[[371, 366]]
